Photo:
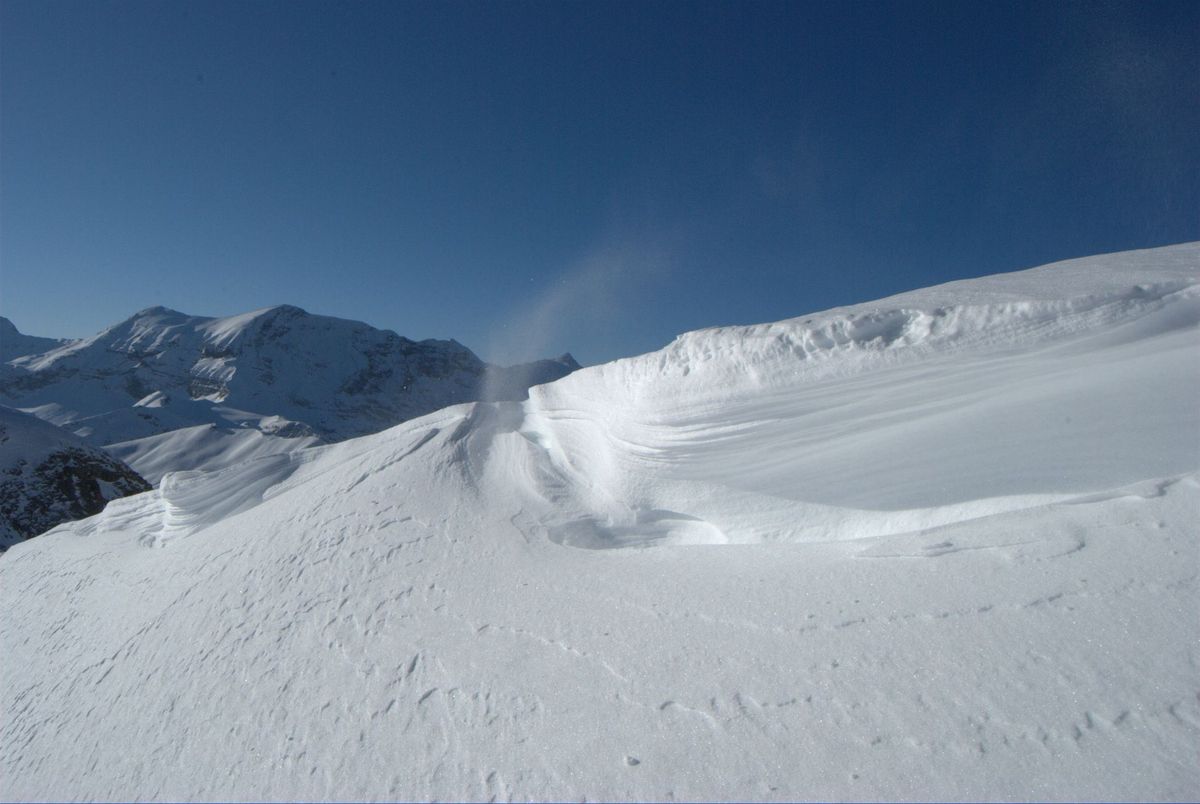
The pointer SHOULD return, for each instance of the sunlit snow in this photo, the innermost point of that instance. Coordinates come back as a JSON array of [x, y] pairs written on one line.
[[939, 546]]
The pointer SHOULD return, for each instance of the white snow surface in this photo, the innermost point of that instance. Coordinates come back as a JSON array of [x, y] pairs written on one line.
[[940, 546], [201, 447]]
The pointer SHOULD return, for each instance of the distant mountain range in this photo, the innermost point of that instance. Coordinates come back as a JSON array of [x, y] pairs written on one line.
[[169, 391]]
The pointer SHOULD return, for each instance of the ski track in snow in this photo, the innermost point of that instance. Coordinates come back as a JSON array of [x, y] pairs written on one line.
[[950, 560]]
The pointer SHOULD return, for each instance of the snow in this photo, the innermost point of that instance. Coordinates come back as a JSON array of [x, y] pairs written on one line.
[[28, 439], [296, 378], [201, 447], [14, 344], [940, 546], [338, 377]]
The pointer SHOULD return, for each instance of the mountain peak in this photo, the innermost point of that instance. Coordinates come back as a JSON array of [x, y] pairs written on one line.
[[159, 311], [288, 309], [335, 377]]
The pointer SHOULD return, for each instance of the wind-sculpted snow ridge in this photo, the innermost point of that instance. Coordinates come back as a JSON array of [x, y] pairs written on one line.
[[992, 314], [878, 419], [944, 555]]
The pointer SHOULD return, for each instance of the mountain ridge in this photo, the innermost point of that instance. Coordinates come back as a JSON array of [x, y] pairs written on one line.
[[279, 370]]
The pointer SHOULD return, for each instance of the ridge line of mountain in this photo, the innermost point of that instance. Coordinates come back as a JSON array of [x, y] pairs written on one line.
[[293, 377]]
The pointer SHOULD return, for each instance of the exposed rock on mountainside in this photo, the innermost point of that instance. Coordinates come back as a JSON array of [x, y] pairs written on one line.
[[48, 476]]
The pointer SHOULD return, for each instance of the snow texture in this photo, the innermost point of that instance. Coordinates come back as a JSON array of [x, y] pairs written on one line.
[[941, 546]]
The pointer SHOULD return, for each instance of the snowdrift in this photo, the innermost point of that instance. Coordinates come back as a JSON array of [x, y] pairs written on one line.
[[937, 546]]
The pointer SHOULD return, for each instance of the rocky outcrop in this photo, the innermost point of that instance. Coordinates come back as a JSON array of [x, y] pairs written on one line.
[[48, 476]]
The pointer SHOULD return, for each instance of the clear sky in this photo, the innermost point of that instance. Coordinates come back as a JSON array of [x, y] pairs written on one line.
[[592, 177]]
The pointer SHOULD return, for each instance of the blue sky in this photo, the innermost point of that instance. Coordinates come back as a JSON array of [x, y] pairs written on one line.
[[594, 177]]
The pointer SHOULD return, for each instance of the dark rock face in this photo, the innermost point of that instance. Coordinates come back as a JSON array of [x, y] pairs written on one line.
[[47, 477], [68, 485]]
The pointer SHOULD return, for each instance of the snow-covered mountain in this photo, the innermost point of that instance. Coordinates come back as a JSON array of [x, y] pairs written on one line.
[[48, 476], [269, 381], [940, 546], [14, 344]]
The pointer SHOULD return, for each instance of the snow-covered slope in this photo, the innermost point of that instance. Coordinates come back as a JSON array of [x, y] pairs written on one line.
[[941, 546], [48, 476], [291, 377], [203, 447], [14, 344]]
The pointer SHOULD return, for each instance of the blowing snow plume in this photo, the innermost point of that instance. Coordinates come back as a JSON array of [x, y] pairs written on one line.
[[594, 295]]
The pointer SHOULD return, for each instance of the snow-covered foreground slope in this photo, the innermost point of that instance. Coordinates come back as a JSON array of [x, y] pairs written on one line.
[[939, 546]]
